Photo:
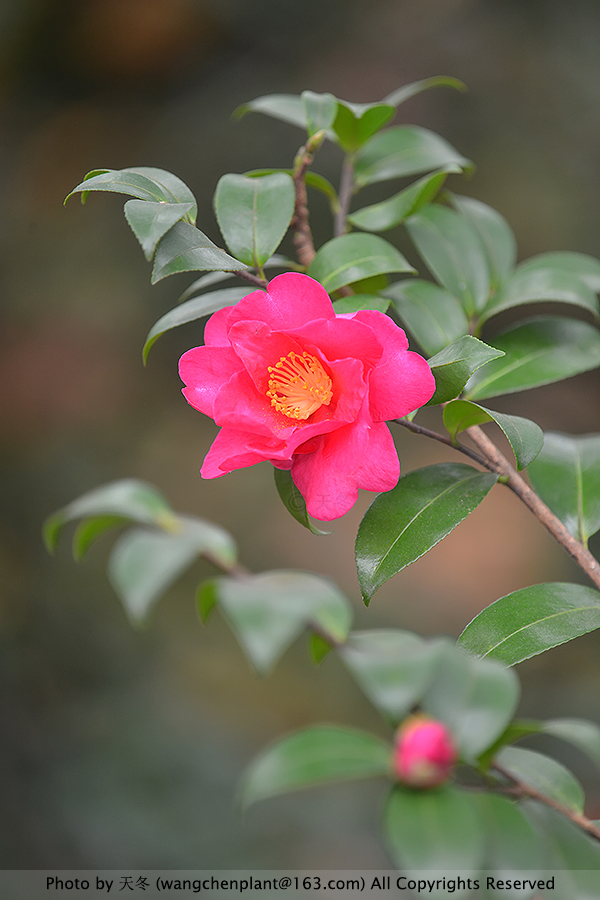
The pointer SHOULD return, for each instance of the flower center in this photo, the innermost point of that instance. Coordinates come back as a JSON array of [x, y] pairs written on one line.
[[299, 385]]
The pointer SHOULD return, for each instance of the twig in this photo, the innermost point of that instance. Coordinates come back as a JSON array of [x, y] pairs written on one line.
[[492, 459], [497, 462], [253, 279], [303, 240], [346, 191], [522, 791]]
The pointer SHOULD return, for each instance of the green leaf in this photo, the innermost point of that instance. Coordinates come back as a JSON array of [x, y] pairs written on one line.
[[455, 364], [286, 107], [150, 220], [433, 316], [355, 123], [203, 282], [393, 668], [128, 499], [354, 302], [186, 249], [540, 284], [566, 475], [404, 93], [582, 734], [144, 562], [514, 849], [495, 234], [404, 523], [454, 253], [143, 182], [525, 437], [475, 698], [315, 755], [318, 647], [575, 855], [544, 774], [351, 257], [435, 830], [206, 599], [89, 530], [391, 212], [586, 268], [320, 111], [196, 308], [532, 620], [254, 214], [404, 150], [293, 500], [268, 611], [536, 352]]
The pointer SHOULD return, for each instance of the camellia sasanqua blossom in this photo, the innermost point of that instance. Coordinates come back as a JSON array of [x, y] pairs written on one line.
[[424, 752], [291, 382]]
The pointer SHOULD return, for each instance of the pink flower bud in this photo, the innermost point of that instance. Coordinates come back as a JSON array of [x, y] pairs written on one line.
[[424, 752]]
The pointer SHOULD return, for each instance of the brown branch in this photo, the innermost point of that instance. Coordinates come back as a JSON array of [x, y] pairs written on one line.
[[253, 279], [523, 791], [497, 462], [492, 459], [303, 240]]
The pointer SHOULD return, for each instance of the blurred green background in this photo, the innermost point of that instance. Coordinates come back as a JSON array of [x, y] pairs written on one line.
[[121, 748]]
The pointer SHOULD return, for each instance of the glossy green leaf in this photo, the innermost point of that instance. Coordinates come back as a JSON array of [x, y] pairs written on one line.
[[354, 302], [128, 498], [580, 265], [312, 179], [191, 310], [495, 234], [475, 698], [185, 248], [254, 214], [532, 620], [286, 107], [268, 611], [315, 755], [566, 475], [197, 286], [544, 774], [144, 562], [536, 352], [435, 831], [540, 284], [454, 253], [514, 849], [455, 364], [393, 668], [389, 213], [404, 93], [293, 500], [143, 182], [355, 123], [351, 257], [403, 524], [525, 437], [320, 111], [150, 220], [432, 315], [404, 150], [579, 732]]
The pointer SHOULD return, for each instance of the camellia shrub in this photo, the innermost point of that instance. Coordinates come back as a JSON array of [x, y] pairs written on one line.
[[307, 364]]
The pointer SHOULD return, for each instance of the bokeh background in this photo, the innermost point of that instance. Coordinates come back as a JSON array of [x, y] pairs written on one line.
[[121, 748]]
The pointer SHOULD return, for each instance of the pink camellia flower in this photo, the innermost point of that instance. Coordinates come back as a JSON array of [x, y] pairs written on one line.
[[424, 752], [290, 381]]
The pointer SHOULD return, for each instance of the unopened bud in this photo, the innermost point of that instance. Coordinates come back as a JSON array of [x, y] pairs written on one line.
[[424, 752]]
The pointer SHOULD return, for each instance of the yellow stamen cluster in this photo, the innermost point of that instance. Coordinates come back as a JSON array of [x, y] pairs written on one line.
[[298, 385]]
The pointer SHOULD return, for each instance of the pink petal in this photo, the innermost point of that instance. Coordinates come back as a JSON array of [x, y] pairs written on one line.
[[234, 449], [402, 381], [342, 338], [204, 370], [215, 330], [258, 348], [290, 301]]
